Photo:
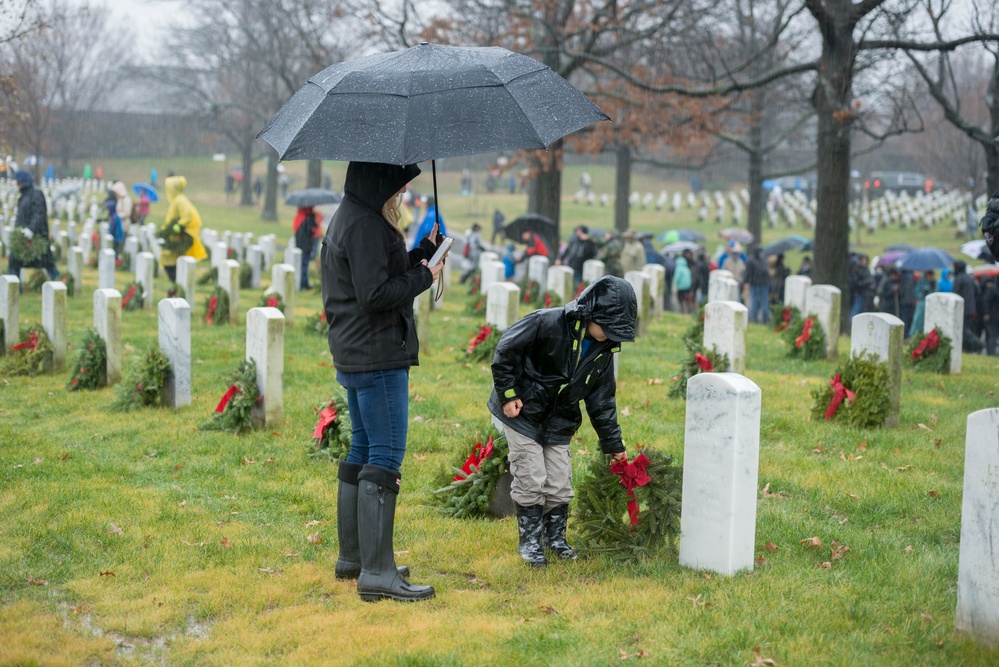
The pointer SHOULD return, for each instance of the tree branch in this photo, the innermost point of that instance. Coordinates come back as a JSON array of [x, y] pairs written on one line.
[[907, 45]]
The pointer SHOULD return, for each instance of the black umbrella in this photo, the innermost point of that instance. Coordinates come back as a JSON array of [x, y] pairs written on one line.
[[312, 197], [785, 244], [534, 222], [428, 102]]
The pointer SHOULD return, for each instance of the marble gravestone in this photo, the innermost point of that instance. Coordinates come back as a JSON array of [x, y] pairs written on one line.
[[186, 278], [796, 292], [823, 303], [145, 266], [639, 282], [978, 562], [721, 288], [229, 281], [220, 252], [74, 266], [10, 310], [491, 272], [560, 282], [946, 310], [265, 346], [54, 319], [502, 303], [720, 471], [725, 324], [107, 321], [487, 256], [295, 255], [537, 269], [880, 335], [175, 342], [657, 285], [255, 258], [593, 269], [283, 282], [105, 269]]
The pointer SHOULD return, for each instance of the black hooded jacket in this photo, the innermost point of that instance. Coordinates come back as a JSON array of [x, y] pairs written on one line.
[[966, 288], [369, 279], [32, 213], [538, 361]]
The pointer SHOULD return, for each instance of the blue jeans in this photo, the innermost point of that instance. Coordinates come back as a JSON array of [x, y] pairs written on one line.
[[379, 415], [759, 303]]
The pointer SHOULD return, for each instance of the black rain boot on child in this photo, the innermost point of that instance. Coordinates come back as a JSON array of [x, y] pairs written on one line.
[[377, 491], [348, 565], [531, 549], [555, 521]]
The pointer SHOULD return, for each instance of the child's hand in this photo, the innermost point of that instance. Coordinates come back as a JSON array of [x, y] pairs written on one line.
[[620, 457], [512, 409]]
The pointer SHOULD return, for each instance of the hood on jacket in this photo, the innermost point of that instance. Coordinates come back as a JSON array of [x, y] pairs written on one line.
[[373, 183], [119, 189], [960, 267], [174, 186], [611, 303], [24, 177]]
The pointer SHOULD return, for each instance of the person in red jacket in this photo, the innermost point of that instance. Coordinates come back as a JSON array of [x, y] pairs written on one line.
[[535, 245]]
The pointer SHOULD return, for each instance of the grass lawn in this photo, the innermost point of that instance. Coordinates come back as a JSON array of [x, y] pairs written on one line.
[[136, 538]]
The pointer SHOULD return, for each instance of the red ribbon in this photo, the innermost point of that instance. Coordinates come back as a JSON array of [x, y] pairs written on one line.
[[479, 454], [579, 289], [128, 296], [632, 474], [483, 334], [806, 333], [704, 362], [928, 344], [212, 303], [326, 417], [29, 344], [272, 302], [548, 300], [233, 390], [839, 393], [785, 320]]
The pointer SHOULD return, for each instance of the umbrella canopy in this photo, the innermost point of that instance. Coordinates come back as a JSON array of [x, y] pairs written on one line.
[[428, 102], [678, 247], [924, 259], [312, 197], [769, 184], [736, 234], [978, 249], [534, 222], [787, 243], [889, 258], [674, 235], [898, 247], [150, 191]]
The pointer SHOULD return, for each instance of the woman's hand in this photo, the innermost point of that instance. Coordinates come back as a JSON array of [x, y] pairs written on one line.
[[434, 270], [513, 408], [434, 234], [620, 457]]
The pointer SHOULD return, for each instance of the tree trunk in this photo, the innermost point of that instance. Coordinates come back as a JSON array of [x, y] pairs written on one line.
[[622, 187], [992, 149], [314, 177], [269, 212], [757, 196], [549, 184], [246, 191], [992, 168]]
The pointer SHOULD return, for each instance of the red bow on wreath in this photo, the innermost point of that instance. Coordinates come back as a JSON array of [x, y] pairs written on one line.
[[479, 454], [272, 302], [632, 474], [806, 333], [785, 320], [483, 334], [128, 296], [212, 304], [839, 393], [326, 418], [233, 390], [703, 362], [548, 300], [928, 344], [29, 344]]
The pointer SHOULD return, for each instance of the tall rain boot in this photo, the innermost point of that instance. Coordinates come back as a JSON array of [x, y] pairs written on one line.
[[377, 491], [529, 524], [554, 522], [348, 565]]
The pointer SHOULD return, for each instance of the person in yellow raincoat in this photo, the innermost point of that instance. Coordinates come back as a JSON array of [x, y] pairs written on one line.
[[183, 213]]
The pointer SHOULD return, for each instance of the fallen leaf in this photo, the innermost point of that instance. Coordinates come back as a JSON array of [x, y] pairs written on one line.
[[182, 503], [275, 434], [106, 573], [818, 449], [226, 544], [933, 418], [825, 565], [838, 550], [760, 561], [417, 419], [269, 570], [625, 412], [924, 427], [760, 661], [698, 602], [192, 544], [811, 542], [420, 457], [927, 617], [418, 399], [888, 630], [37, 582], [116, 530], [249, 461], [314, 539], [765, 492], [932, 493], [907, 549], [770, 546], [550, 611], [652, 381], [292, 555], [938, 443], [903, 468], [862, 445]]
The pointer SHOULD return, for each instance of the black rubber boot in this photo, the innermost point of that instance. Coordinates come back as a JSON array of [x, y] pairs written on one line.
[[348, 565], [529, 524], [379, 579], [555, 522]]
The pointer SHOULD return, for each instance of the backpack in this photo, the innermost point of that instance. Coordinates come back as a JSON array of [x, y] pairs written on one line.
[[303, 235]]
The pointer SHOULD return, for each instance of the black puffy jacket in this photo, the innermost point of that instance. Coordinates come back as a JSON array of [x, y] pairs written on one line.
[[538, 361], [32, 213], [369, 278]]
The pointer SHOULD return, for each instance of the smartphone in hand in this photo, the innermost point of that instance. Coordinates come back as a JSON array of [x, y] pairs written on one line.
[[442, 251]]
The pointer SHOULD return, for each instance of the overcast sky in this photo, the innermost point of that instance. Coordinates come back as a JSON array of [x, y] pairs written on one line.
[[147, 18]]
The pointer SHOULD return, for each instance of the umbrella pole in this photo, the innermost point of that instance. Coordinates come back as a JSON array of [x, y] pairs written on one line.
[[437, 202]]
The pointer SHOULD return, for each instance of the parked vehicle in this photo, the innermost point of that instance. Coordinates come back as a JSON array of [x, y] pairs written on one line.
[[880, 182]]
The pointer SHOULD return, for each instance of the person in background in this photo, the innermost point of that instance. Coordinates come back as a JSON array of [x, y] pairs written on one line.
[[181, 213], [123, 208], [609, 252], [990, 313], [576, 253], [307, 227], [778, 279], [510, 260], [757, 276], [153, 175], [806, 267], [927, 284], [946, 283], [535, 245], [32, 218], [966, 288], [702, 274], [889, 292], [473, 250], [114, 220], [632, 254], [142, 208], [907, 299], [498, 221], [861, 285], [684, 281], [431, 217]]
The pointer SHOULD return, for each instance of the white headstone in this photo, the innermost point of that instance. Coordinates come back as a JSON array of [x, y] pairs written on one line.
[[639, 281], [657, 285], [10, 309], [266, 243], [132, 247], [978, 562], [823, 302], [720, 471], [796, 291], [283, 282], [502, 302], [74, 263], [229, 281], [220, 252], [185, 277], [145, 265], [593, 269], [721, 288], [560, 281], [107, 321], [238, 247], [175, 343], [63, 239], [54, 319], [537, 269], [265, 346], [105, 269], [946, 310], [487, 256], [255, 258], [881, 335], [295, 255], [725, 325], [492, 272], [107, 241]]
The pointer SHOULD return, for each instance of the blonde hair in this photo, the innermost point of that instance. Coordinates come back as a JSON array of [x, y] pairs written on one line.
[[390, 211]]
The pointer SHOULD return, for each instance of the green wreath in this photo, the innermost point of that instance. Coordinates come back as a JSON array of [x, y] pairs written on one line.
[[464, 495], [477, 306], [482, 345], [317, 322], [133, 298], [868, 379], [70, 283], [475, 284], [90, 369], [692, 365], [176, 240], [35, 281], [25, 251], [143, 386], [31, 356], [236, 414], [930, 361], [271, 300], [211, 276], [531, 291], [602, 523], [245, 276], [217, 307], [549, 299], [334, 443], [811, 349]]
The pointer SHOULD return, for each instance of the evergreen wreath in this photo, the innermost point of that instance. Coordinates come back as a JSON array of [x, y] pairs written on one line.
[[217, 307], [24, 250], [134, 296], [813, 344], [483, 345], [212, 276], [580, 287], [317, 322], [271, 300], [31, 356], [143, 386], [475, 284], [550, 299], [782, 316], [176, 291], [867, 379], [531, 291], [90, 369], [334, 429], [245, 276], [70, 283], [931, 358], [124, 262], [698, 360], [602, 521], [56, 252], [35, 281], [477, 306], [465, 493], [233, 413], [176, 240]]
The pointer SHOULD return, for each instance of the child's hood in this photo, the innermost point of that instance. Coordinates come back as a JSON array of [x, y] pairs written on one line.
[[609, 302]]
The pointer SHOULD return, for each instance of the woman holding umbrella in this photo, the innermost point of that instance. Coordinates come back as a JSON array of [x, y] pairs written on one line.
[[369, 282]]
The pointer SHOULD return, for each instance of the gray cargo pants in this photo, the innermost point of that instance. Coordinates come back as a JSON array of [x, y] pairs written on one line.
[[541, 475]]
